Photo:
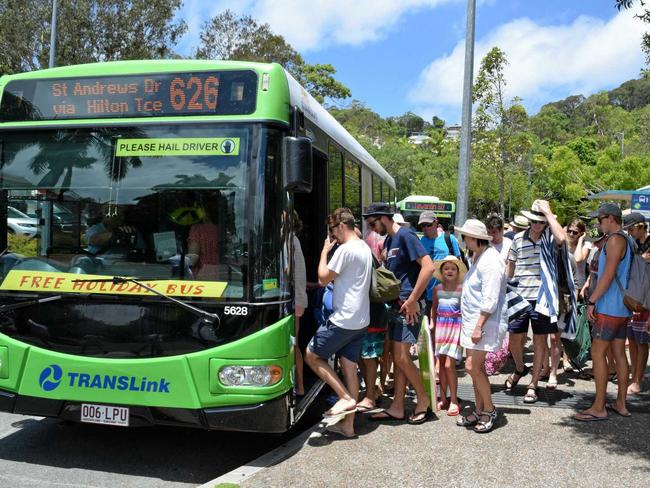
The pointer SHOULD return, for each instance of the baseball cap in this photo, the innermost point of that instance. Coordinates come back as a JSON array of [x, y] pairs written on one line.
[[378, 209], [427, 217], [610, 209], [633, 218]]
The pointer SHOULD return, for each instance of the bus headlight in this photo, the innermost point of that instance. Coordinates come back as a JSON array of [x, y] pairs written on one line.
[[250, 375]]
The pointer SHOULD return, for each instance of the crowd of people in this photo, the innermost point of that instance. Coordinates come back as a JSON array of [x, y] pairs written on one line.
[[532, 273]]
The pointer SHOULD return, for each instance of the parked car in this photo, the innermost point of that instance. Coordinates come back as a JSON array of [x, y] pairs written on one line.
[[20, 223]]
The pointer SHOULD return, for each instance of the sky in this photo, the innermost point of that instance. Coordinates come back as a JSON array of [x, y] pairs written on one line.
[[408, 55]]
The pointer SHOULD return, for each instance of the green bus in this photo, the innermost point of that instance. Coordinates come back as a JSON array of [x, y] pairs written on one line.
[[412, 206], [157, 288]]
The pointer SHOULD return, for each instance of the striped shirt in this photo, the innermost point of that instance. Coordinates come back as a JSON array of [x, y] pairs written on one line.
[[525, 254]]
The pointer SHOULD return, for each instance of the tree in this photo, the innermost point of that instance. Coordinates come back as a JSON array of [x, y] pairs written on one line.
[[644, 17], [501, 143], [87, 31], [227, 36]]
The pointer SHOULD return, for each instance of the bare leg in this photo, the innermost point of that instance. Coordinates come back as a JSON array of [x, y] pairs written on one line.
[[444, 382], [540, 358], [622, 372], [599, 348], [641, 363], [406, 372], [352, 383], [329, 376], [369, 372], [452, 378], [476, 368], [516, 346], [386, 362], [556, 353]]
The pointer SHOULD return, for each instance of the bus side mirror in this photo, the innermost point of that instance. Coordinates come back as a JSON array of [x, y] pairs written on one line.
[[297, 161]]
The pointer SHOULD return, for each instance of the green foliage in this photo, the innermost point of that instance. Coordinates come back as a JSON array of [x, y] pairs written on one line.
[[87, 31], [23, 245], [585, 148], [227, 36]]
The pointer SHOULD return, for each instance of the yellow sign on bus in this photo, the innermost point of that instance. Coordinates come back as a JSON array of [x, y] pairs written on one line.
[[190, 146], [47, 281]]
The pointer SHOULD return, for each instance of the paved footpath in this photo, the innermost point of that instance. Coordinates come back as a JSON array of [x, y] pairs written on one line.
[[534, 446]]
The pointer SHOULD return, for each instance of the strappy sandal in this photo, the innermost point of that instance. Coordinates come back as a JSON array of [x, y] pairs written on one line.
[[466, 421], [483, 426], [531, 397], [511, 382]]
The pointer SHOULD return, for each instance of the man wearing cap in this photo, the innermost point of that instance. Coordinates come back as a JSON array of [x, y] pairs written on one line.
[[518, 224], [638, 337], [610, 316], [411, 264], [636, 226], [437, 246], [525, 266]]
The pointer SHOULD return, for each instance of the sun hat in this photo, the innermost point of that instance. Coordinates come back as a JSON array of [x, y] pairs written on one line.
[[437, 267], [378, 209], [520, 222], [610, 209], [476, 229], [398, 218], [535, 214], [633, 218], [427, 217]]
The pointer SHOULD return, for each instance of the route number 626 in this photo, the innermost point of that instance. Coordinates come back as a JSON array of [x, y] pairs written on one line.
[[233, 310]]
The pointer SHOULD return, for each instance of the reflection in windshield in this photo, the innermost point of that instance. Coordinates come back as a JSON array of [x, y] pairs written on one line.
[[160, 202]]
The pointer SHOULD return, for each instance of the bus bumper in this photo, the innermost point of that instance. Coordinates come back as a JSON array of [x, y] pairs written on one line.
[[273, 416]]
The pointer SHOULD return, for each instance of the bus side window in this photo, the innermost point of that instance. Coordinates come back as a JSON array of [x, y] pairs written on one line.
[[335, 178]]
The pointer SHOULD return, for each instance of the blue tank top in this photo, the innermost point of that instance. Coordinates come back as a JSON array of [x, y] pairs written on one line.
[[611, 303]]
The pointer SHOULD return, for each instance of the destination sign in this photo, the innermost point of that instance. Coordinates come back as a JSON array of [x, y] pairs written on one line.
[[155, 95], [437, 207]]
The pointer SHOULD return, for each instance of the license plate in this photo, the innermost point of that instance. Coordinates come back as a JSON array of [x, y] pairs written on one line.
[[105, 414]]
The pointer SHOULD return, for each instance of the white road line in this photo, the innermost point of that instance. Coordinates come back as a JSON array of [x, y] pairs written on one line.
[[271, 458]]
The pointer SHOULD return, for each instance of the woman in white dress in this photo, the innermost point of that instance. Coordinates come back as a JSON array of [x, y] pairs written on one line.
[[484, 311]]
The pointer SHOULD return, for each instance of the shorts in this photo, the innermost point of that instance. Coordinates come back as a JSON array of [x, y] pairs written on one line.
[[331, 339], [637, 329], [541, 323], [399, 330], [608, 327], [372, 345]]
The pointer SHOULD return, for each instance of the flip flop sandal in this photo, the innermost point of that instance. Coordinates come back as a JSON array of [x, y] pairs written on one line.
[[612, 407], [590, 417], [364, 408], [426, 416], [329, 414], [388, 417]]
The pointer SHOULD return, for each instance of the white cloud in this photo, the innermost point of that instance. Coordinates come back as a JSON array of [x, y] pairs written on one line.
[[314, 24], [582, 57]]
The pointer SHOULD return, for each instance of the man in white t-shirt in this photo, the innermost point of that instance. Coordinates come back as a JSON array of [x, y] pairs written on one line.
[[494, 225], [350, 268]]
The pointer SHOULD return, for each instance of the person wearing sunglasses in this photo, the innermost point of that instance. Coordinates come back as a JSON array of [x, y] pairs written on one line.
[[610, 316]]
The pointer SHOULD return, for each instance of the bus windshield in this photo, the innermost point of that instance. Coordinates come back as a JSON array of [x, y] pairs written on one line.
[[165, 203]]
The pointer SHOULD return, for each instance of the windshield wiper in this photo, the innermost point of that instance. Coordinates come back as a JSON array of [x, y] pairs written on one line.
[[27, 303], [117, 280]]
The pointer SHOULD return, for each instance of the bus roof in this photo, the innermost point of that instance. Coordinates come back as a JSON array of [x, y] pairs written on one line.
[[315, 112]]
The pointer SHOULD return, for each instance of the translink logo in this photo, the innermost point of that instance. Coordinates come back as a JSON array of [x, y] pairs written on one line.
[[51, 377]]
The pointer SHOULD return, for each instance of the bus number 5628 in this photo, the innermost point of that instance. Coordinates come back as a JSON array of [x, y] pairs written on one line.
[[194, 94]]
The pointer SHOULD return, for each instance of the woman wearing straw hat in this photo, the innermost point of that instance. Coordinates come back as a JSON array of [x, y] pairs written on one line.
[[483, 306]]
